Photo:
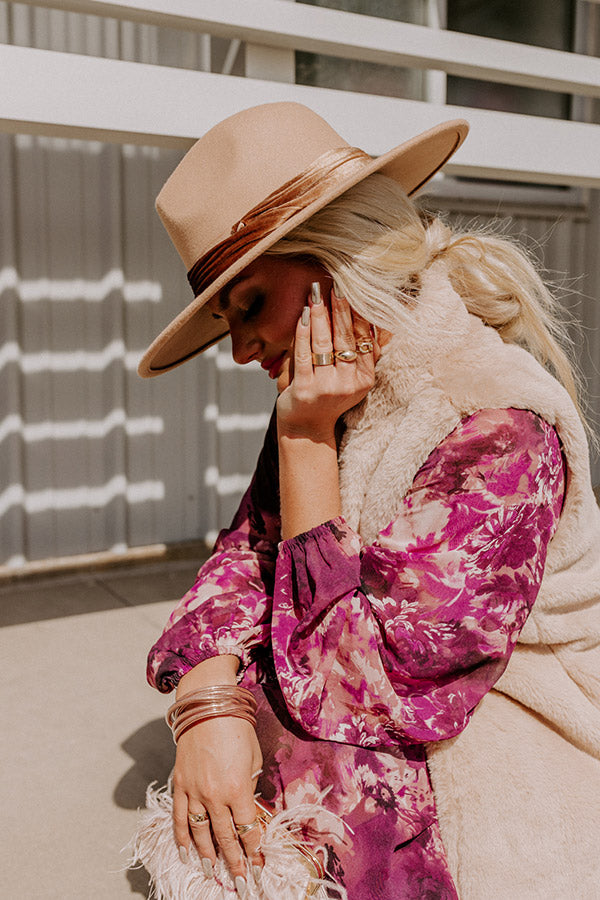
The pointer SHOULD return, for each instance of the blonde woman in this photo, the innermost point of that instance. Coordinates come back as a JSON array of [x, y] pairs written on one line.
[[404, 612]]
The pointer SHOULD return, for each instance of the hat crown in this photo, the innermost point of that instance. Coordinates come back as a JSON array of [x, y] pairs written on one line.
[[274, 161], [234, 166]]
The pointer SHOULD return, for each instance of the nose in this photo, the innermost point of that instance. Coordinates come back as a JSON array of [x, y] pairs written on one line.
[[244, 348]]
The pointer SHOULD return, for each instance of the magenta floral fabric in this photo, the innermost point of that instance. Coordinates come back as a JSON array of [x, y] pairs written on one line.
[[360, 655]]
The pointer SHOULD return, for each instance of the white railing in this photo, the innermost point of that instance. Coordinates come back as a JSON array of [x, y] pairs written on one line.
[[64, 94], [87, 279], [353, 36]]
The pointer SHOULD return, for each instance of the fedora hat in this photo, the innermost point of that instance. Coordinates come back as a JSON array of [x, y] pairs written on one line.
[[249, 181]]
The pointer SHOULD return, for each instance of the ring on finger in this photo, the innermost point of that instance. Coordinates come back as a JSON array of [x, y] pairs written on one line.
[[244, 829], [323, 359], [346, 355], [198, 818], [365, 346]]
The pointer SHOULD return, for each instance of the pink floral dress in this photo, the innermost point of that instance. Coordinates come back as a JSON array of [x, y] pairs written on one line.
[[360, 655]]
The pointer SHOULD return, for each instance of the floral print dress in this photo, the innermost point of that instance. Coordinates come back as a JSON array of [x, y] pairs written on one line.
[[359, 655]]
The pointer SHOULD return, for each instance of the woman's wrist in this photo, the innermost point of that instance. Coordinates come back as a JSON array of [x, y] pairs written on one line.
[[308, 483], [311, 434], [218, 701], [215, 670]]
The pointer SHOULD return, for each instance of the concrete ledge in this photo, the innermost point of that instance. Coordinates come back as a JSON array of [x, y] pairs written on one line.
[[88, 562]]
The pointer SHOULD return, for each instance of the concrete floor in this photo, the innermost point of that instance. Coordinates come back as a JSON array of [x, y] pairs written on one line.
[[83, 733]]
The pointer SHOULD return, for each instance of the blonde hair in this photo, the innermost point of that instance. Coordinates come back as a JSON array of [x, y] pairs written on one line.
[[375, 242]]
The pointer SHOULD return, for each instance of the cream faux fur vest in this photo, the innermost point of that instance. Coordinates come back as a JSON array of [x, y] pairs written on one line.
[[518, 792]]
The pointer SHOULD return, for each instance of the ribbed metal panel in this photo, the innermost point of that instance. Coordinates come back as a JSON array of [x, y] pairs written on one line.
[[93, 457], [565, 242]]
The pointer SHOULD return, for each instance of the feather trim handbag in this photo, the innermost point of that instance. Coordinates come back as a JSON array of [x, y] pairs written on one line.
[[291, 871]]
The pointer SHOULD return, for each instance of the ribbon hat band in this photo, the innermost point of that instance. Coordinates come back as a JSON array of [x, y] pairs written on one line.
[[279, 207], [267, 169]]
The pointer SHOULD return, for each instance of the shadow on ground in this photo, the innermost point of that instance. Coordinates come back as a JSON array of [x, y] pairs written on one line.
[[153, 753]]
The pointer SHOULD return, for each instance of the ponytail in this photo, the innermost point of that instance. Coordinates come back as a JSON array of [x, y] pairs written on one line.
[[499, 283], [375, 243]]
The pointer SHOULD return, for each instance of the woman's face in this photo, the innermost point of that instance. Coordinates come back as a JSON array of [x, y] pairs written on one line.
[[262, 306]]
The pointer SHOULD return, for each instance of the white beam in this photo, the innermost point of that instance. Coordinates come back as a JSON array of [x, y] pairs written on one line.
[[270, 63], [302, 27], [103, 99]]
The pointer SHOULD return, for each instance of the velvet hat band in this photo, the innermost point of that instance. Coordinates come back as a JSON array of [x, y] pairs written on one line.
[[250, 180], [279, 207]]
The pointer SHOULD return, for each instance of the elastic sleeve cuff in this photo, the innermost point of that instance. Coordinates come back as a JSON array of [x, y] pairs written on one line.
[[324, 564], [166, 668]]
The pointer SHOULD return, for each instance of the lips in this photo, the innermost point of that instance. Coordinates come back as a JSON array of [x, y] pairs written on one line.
[[273, 364]]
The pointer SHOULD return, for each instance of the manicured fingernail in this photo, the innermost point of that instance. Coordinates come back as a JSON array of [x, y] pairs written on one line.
[[207, 867], [257, 872], [183, 855], [315, 293], [306, 315], [240, 886]]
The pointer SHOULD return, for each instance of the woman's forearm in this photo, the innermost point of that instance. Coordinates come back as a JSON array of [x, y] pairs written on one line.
[[216, 670], [308, 482]]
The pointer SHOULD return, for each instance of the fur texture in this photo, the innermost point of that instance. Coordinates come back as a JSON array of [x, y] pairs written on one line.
[[518, 792], [285, 875]]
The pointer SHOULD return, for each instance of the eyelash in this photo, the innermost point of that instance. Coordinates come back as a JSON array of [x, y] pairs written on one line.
[[254, 308], [247, 314]]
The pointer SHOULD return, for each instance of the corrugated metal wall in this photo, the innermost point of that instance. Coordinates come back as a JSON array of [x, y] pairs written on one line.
[[94, 458]]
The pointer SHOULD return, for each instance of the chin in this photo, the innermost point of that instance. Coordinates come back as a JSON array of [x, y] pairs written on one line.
[[284, 377]]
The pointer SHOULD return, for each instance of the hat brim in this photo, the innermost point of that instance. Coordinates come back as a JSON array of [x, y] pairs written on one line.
[[412, 164]]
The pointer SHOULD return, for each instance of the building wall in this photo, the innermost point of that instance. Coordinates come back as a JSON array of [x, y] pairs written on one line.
[[94, 458]]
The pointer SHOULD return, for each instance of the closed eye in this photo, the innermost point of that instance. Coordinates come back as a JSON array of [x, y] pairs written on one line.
[[255, 307]]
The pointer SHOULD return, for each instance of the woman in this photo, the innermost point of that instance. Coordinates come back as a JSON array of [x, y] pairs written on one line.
[[423, 482]]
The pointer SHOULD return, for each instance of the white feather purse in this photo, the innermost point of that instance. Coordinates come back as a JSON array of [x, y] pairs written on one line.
[[291, 871]]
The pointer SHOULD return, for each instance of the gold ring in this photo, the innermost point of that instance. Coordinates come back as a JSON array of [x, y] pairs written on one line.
[[346, 355], [244, 829], [197, 818], [323, 359], [365, 346]]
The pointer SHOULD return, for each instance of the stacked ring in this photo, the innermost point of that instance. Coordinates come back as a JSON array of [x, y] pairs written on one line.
[[323, 359], [244, 829], [198, 818], [365, 346], [346, 355]]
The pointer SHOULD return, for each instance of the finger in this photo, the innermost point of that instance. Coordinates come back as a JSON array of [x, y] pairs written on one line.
[[302, 342], [248, 828], [200, 830], [376, 347], [343, 328], [180, 822], [227, 839], [362, 328], [320, 327], [365, 342]]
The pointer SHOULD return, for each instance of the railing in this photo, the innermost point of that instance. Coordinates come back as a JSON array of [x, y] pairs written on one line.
[[93, 458], [64, 94]]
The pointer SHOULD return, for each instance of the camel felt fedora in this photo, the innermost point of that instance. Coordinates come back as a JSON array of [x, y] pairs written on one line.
[[249, 181]]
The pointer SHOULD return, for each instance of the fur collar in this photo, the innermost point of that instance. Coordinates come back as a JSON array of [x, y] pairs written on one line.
[[501, 782]]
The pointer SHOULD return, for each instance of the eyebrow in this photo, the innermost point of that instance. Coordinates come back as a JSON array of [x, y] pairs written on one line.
[[224, 294]]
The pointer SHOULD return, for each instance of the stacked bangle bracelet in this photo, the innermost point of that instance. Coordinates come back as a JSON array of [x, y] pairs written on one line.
[[210, 703]]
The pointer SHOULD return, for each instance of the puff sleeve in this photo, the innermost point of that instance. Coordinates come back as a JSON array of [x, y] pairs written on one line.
[[398, 641], [228, 608]]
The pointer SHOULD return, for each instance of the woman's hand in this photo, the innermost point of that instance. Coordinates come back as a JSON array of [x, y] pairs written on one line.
[[308, 409], [319, 394], [216, 770]]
